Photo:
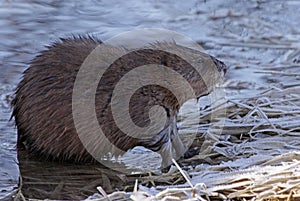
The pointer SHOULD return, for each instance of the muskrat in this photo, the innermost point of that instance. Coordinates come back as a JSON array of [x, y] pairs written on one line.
[[42, 106]]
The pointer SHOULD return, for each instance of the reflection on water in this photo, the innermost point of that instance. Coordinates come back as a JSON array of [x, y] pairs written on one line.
[[231, 30], [54, 180]]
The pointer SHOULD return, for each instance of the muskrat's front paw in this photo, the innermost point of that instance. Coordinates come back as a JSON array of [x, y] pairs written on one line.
[[191, 152]]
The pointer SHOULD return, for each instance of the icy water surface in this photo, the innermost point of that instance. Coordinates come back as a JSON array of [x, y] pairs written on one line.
[[246, 35]]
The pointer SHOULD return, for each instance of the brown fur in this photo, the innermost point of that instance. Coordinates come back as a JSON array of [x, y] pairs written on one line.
[[42, 106]]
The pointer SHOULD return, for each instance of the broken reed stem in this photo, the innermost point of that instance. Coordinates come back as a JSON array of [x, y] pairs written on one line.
[[183, 173]]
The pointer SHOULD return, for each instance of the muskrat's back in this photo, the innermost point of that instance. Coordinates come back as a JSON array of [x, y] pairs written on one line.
[[43, 101], [42, 106]]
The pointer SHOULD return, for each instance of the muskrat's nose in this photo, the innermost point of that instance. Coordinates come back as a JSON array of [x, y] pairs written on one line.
[[220, 65]]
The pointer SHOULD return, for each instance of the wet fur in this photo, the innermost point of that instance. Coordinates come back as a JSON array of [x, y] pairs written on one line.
[[42, 106]]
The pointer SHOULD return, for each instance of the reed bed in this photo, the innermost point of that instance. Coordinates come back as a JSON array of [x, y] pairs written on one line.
[[251, 153]]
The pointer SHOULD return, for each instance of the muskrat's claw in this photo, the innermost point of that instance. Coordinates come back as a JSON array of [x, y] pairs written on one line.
[[166, 169], [191, 152]]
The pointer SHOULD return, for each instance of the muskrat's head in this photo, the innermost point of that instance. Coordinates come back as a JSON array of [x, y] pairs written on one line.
[[212, 74], [202, 71]]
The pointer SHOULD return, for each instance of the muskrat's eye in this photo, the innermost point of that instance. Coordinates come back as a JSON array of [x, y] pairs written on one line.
[[200, 60]]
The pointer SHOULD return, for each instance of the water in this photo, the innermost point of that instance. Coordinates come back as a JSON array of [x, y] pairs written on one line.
[[247, 35]]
